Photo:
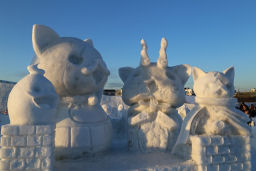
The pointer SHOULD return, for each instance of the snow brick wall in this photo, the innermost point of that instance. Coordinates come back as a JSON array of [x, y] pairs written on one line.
[[27, 148], [221, 153]]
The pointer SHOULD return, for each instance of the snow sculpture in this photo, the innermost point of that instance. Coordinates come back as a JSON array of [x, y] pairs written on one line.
[[78, 72], [33, 100], [215, 114], [153, 91], [27, 143], [215, 90]]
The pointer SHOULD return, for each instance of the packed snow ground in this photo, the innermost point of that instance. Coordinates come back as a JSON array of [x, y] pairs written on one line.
[[123, 160]]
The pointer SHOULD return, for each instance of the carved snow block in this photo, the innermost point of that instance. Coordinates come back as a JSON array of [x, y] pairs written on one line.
[[77, 140], [219, 153], [27, 147], [147, 136]]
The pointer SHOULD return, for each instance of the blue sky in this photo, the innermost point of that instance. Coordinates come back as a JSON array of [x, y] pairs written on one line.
[[209, 34]]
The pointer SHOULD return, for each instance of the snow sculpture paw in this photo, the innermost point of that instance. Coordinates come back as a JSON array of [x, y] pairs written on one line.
[[154, 90]]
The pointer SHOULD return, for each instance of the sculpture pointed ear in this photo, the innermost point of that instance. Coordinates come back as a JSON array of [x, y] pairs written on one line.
[[162, 61], [197, 72], [125, 72], [182, 71], [230, 73], [42, 36], [89, 41], [144, 61]]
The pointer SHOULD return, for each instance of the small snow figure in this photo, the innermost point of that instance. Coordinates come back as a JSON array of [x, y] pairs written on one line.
[[33, 100], [215, 113]]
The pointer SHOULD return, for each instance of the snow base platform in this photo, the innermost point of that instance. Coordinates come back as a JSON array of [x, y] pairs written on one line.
[[120, 159]]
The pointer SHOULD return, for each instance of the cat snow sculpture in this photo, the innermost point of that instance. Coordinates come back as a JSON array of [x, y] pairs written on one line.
[[215, 113], [153, 91], [78, 72], [33, 100]]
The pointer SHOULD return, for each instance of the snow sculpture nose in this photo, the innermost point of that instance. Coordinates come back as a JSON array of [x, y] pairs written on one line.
[[151, 85], [85, 71], [90, 69]]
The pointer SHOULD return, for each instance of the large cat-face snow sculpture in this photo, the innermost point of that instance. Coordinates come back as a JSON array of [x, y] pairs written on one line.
[[78, 72], [153, 91], [215, 113]]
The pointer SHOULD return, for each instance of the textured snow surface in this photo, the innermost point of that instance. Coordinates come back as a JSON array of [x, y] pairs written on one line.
[[123, 160]]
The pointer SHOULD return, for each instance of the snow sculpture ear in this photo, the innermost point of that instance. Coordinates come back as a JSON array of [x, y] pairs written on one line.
[[89, 41], [182, 71], [144, 55], [125, 72], [230, 73], [196, 72], [42, 36], [162, 60]]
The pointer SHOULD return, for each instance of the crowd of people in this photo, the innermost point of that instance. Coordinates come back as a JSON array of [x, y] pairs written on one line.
[[250, 111]]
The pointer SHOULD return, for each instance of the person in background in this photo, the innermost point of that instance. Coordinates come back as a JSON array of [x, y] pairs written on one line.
[[244, 108], [252, 111], [5, 112]]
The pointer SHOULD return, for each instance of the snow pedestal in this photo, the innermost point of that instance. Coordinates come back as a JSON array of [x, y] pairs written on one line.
[[27, 147], [79, 139], [219, 153]]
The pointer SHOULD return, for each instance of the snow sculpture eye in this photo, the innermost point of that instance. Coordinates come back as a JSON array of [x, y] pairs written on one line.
[[75, 59]]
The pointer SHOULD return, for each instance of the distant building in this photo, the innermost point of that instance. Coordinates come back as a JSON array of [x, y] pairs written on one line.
[[112, 92], [7, 82], [253, 90]]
